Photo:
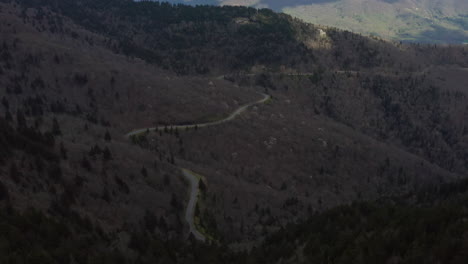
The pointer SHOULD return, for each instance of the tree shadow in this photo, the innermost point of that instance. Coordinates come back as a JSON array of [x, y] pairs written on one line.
[[442, 35]]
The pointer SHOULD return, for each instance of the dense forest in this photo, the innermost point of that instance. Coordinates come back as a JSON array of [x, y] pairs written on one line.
[[388, 231], [231, 38]]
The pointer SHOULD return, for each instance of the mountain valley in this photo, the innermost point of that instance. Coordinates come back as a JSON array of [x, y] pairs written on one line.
[[328, 126]]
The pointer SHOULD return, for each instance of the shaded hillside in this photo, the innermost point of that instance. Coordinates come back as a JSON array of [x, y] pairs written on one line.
[[386, 231], [231, 38], [67, 102], [360, 233], [351, 119]]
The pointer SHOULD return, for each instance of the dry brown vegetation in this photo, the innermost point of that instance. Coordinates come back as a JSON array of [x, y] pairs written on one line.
[[91, 91], [358, 120]]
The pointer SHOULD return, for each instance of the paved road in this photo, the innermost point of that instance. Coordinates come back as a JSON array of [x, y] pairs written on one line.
[[193, 179], [190, 212], [232, 116], [221, 77]]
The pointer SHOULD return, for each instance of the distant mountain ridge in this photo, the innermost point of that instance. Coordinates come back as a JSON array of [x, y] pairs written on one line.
[[428, 21]]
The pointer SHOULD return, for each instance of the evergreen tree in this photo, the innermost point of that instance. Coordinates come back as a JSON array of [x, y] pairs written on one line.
[[56, 127], [106, 154], [107, 136]]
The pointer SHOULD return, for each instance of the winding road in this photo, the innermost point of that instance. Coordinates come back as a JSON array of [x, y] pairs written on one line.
[[191, 177], [232, 116], [190, 212]]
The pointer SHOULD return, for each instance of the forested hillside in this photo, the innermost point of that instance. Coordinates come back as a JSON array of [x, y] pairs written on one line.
[[427, 21], [386, 231], [347, 122]]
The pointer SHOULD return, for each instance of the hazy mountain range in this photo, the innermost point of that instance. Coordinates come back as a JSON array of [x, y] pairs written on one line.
[[434, 21]]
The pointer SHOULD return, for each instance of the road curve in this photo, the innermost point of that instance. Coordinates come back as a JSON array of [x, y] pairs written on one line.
[[191, 177], [232, 116], [190, 212]]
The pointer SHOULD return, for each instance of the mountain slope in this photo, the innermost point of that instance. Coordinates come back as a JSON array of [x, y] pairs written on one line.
[[351, 118], [418, 21], [432, 21]]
